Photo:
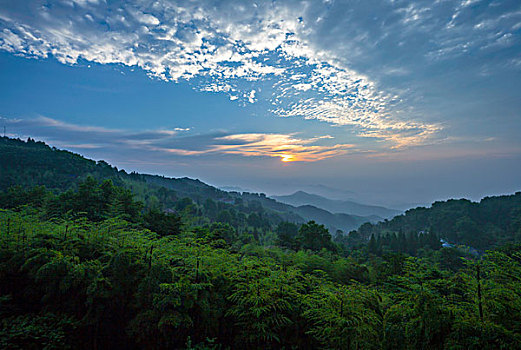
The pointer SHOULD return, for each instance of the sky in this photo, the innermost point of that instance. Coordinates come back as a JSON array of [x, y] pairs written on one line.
[[388, 102]]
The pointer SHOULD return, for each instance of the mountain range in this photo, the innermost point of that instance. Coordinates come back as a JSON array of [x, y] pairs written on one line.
[[301, 198]]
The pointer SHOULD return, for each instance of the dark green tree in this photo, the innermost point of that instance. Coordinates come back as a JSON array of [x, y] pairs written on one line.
[[314, 236]]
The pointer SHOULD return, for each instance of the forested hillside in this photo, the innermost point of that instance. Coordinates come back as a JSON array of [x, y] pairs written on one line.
[[32, 163], [493, 222]]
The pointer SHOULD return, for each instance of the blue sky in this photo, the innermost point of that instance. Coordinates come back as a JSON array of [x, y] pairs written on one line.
[[398, 101]]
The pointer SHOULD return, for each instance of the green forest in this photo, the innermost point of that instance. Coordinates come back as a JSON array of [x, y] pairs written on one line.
[[94, 258]]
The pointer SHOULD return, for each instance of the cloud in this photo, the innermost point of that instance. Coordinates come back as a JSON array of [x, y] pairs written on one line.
[[288, 148], [175, 141], [475, 26], [297, 56], [229, 46]]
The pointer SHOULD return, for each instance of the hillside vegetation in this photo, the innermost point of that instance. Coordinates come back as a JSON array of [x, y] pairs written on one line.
[[492, 222], [79, 283]]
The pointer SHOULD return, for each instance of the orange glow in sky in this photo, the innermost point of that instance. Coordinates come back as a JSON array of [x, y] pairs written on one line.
[[287, 158]]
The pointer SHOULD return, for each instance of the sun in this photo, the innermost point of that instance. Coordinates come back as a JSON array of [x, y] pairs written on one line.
[[286, 158]]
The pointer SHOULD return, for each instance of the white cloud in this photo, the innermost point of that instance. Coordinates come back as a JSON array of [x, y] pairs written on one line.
[[466, 3], [144, 18], [251, 96], [84, 2], [472, 28], [302, 87], [412, 13]]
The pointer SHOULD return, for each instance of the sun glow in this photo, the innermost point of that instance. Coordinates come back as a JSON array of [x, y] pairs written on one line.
[[287, 158]]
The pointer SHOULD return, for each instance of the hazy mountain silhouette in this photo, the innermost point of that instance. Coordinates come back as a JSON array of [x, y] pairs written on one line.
[[300, 198]]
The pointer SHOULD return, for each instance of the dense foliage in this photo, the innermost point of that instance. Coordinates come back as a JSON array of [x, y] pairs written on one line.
[[98, 278], [494, 221]]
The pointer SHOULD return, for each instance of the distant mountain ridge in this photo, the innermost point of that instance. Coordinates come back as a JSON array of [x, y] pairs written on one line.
[[335, 220], [301, 198]]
